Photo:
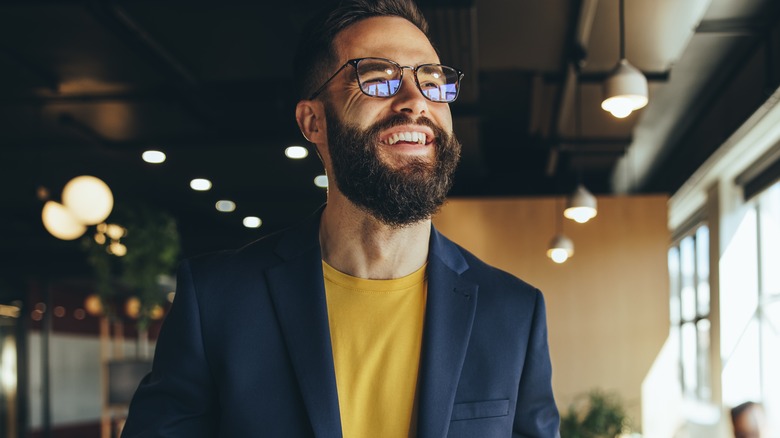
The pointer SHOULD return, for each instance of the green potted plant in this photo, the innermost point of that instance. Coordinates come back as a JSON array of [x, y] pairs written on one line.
[[596, 414], [129, 263]]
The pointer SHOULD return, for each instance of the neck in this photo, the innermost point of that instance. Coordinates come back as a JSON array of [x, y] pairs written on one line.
[[356, 243]]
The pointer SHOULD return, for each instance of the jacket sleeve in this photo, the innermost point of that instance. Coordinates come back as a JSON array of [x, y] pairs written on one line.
[[178, 398], [536, 415]]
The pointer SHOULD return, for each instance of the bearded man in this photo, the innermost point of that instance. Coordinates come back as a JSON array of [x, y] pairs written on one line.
[[364, 321]]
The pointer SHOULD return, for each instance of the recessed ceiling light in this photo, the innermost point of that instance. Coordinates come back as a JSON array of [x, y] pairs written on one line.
[[252, 222], [226, 206], [321, 181], [200, 184], [296, 152], [154, 157]]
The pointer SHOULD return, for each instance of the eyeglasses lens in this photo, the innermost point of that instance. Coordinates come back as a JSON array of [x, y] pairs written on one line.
[[438, 83], [380, 78]]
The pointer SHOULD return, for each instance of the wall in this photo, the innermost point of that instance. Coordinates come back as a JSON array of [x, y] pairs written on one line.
[[76, 396], [607, 307]]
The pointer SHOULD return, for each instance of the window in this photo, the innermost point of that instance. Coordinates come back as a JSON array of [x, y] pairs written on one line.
[[751, 307], [689, 306]]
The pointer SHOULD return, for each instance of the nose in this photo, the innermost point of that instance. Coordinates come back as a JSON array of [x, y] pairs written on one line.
[[409, 99]]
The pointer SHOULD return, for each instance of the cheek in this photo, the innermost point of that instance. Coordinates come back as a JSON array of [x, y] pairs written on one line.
[[443, 118], [361, 112]]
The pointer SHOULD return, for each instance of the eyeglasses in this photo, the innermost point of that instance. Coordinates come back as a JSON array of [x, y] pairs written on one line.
[[379, 77]]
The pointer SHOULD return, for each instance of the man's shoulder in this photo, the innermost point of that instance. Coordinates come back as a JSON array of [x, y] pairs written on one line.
[[259, 254], [484, 273], [234, 265], [258, 251]]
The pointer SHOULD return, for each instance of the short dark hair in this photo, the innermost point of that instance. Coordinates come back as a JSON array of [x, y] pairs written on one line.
[[738, 410], [316, 56]]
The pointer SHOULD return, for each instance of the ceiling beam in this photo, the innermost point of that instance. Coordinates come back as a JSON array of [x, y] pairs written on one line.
[[730, 26]]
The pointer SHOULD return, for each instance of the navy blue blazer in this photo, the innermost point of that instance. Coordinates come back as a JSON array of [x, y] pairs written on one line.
[[245, 350]]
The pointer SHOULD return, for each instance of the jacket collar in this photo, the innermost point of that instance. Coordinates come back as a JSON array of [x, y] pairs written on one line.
[[449, 316], [297, 289]]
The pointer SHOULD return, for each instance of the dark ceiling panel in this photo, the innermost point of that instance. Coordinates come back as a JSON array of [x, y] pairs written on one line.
[[86, 86], [65, 41], [235, 42]]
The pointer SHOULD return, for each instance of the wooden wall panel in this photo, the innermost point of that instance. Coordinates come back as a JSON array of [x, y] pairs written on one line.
[[607, 307]]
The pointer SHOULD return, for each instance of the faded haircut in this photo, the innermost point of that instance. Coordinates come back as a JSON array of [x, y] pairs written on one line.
[[739, 410], [315, 57]]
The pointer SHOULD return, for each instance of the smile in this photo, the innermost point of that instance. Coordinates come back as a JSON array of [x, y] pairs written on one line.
[[408, 137], [409, 134]]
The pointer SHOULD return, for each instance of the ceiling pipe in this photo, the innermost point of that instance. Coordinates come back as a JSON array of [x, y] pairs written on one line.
[[580, 21]]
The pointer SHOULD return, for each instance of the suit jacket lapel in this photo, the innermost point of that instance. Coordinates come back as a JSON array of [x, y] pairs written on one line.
[[298, 293], [449, 317]]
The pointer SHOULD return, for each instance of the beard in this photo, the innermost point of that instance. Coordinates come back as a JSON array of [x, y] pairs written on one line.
[[409, 193]]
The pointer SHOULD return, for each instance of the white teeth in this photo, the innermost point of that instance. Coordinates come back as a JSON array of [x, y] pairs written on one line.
[[411, 137]]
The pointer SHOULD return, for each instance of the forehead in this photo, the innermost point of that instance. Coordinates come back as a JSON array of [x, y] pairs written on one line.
[[394, 38]]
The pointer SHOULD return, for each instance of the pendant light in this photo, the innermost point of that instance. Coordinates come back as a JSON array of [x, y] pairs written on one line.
[[561, 247], [86, 200], [625, 90], [581, 205]]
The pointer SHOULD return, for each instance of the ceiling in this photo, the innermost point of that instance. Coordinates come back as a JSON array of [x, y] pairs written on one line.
[[86, 86]]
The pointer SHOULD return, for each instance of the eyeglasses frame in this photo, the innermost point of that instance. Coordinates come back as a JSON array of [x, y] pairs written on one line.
[[354, 63]]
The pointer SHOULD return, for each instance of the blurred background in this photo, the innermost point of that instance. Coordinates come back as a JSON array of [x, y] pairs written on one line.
[[134, 134]]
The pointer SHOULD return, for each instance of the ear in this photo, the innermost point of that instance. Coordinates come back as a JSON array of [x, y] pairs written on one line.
[[311, 121]]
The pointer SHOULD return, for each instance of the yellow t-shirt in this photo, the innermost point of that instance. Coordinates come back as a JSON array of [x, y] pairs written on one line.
[[376, 330]]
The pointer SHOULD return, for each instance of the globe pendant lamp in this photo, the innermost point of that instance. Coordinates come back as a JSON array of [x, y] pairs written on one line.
[[60, 222], [581, 205], [625, 90], [88, 198]]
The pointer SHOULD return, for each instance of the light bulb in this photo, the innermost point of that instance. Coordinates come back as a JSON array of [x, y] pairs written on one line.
[[93, 305], [88, 198], [225, 205], [559, 255], [200, 184], [59, 221], [621, 113], [321, 181], [115, 231], [580, 214], [581, 205], [296, 152], [560, 249], [252, 222], [133, 307], [153, 157]]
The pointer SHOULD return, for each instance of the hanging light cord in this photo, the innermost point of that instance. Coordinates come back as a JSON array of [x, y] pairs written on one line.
[[578, 124], [622, 33]]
